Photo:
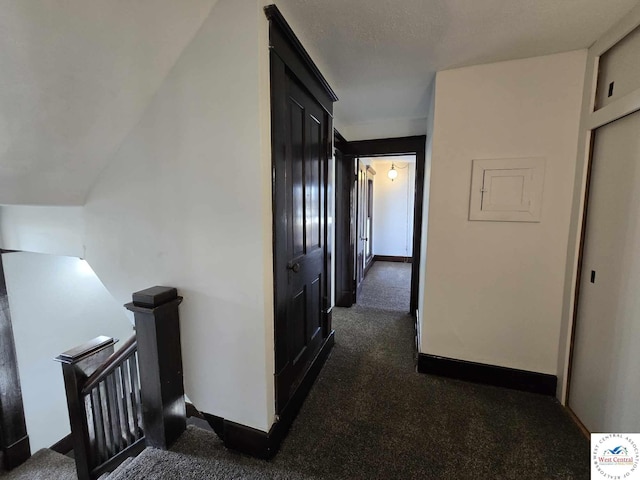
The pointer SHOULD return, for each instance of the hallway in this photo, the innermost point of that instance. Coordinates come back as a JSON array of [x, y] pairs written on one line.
[[371, 416], [387, 286]]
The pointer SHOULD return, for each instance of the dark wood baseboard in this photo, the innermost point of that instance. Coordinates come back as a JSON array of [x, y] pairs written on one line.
[[265, 445], [389, 258], [64, 445], [17, 453], [488, 374]]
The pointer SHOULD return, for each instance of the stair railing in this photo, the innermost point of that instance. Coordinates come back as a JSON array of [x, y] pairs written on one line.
[[103, 397], [118, 402]]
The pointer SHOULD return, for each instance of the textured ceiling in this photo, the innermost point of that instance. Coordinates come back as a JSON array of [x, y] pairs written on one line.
[[380, 55], [75, 77]]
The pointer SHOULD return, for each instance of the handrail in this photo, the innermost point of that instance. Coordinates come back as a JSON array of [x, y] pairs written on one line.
[[85, 350], [110, 364]]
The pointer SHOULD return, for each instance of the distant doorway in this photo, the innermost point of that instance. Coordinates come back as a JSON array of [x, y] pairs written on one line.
[[365, 226]]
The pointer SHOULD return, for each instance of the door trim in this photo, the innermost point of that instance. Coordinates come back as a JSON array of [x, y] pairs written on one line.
[[283, 40], [399, 146]]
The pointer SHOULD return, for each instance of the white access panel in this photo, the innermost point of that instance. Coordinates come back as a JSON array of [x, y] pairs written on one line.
[[605, 376], [507, 190]]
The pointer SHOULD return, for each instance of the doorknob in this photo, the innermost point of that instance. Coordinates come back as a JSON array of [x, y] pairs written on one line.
[[295, 266]]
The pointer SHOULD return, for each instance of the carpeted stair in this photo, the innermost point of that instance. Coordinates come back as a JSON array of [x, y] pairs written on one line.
[[45, 464]]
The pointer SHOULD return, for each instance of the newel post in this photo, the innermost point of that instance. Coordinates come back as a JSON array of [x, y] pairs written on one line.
[[160, 361]]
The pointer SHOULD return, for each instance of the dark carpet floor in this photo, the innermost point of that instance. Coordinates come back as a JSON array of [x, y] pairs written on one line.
[[387, 286], [371, 416]]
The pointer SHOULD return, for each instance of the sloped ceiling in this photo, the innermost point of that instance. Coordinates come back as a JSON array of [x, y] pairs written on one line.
[[380, 56], [75, 77]]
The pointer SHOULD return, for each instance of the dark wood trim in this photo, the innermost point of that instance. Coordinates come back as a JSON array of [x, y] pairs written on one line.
[[64, 445], [387, 146], [389, 258], [488, 374], [344, 228], [276, 18], [265, 445], [339, 141], [14, 440], [17, 453], [584, 430], [576, 296], [329, 224], [402, 146], [286, 45], [192, 411]]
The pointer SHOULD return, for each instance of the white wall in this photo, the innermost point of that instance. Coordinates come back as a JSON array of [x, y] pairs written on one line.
[[186, 202], [393, 207], [54, 230], [493, 290], [56, 303], [422, 269]]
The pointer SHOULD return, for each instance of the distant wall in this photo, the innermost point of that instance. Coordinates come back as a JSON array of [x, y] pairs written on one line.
[[393, 207], [493, 290], [54, 230], [56, 303]]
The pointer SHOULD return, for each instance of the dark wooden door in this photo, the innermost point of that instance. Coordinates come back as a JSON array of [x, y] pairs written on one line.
[[300, 158]]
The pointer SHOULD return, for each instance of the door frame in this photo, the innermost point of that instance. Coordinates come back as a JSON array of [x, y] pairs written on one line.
[[384, 147], [591, 119], [344, 225]]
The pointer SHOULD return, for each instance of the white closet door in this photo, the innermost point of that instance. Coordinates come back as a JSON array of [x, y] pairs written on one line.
[[605, 380]]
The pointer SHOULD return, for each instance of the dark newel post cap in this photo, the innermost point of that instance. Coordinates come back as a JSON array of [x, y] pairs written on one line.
[[154, 297]]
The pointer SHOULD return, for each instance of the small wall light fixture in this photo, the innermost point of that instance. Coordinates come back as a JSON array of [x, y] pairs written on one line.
[[393, 173]]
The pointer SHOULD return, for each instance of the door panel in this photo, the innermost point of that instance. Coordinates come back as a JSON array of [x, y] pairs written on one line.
[[300, 128], [603, 390]]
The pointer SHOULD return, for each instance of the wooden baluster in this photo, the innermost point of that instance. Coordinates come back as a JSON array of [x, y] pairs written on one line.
[[126, 398], [104, 408], [101, 449], [114, 413], [160, 356], [135, 386], [77, 364], [122, 406]]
